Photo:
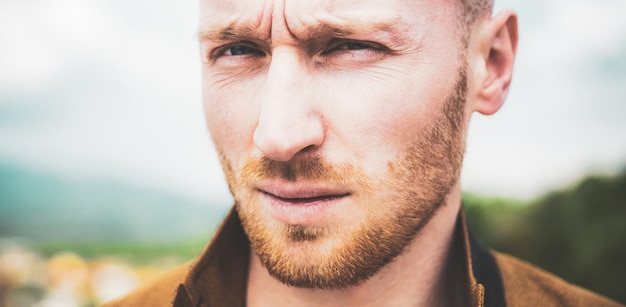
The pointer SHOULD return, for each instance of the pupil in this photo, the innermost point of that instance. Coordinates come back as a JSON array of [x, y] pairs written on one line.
[[355, 46], [240, 50]]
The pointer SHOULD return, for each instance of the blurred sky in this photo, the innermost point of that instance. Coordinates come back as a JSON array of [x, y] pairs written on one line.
[[95, 88]]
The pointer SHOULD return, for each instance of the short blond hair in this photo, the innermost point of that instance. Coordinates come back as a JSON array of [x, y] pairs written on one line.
[[470, 11]]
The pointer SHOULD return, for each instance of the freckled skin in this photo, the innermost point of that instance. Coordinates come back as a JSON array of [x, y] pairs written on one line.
[[370, 96], [369, 105], [354, 92]]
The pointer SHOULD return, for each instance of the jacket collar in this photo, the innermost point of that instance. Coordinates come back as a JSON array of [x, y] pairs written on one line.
[[219, 276], [485, 286]]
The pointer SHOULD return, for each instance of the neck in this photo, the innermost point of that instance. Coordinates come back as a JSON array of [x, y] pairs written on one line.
[[429, 273]]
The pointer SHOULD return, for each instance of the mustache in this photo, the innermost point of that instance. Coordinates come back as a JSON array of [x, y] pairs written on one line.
[[315, 168]]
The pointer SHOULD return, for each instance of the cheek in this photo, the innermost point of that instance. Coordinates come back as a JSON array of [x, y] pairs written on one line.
[[231, 114], [379, 113]]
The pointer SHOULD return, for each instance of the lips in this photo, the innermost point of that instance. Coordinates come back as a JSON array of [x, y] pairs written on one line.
[[306, 200], [300, 203], [301, 193]]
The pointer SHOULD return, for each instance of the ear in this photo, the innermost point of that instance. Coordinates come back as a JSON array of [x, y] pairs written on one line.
[[496, 47]]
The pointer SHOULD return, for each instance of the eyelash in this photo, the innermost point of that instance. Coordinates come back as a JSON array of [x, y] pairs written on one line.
[[221, 51], [250, 49], [364, 45]]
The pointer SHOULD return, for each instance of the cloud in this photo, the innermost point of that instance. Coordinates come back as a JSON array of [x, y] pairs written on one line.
[[563, 115], [103, 88], [93, 87]]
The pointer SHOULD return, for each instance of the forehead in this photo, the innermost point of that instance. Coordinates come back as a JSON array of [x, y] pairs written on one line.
[[302, 15]]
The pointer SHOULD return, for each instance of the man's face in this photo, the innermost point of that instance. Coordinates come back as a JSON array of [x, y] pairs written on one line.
[[340, 127]]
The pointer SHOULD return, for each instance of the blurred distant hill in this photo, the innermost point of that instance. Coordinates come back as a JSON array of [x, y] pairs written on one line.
[[578, 233], [42, 206]]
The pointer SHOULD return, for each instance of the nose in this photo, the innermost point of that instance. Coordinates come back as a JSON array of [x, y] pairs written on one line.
[[288, 124]]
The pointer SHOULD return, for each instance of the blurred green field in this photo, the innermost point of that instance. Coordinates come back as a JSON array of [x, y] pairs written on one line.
[[134, 253], [577, 233]]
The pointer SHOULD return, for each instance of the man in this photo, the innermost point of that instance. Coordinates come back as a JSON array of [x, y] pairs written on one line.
[[341, 128]]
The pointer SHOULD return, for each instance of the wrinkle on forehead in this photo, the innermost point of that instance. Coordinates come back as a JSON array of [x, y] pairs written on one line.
[[226, 19], [323, 25], [399, 22], [341, 18]]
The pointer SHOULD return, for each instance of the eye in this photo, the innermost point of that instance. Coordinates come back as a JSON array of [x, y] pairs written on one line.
[[236, 51], [355, 48], [239, 50]]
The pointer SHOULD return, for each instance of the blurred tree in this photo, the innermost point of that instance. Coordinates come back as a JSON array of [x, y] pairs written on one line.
[[577, 233]]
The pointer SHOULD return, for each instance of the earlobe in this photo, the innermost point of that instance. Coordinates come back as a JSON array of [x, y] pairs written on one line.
[[499, 56]]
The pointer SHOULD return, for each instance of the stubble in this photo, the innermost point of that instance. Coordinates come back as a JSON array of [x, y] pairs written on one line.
[[330, 256]]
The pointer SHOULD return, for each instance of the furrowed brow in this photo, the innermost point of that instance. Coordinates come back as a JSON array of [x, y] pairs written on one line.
[[348, 28], [233, 31]]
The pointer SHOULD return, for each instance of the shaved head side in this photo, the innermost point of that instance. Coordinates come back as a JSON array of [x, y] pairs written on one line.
[[473, 9], [470, 11]]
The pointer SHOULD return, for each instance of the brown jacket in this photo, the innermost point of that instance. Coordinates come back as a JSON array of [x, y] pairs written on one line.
[[218, 277]]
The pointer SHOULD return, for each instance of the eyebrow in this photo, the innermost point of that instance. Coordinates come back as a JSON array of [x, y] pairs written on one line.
[[353, 26], [242, 30], [233, 31]]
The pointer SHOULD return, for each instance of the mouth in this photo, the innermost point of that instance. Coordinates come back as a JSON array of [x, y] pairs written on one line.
[[304, 196], [300, 203]]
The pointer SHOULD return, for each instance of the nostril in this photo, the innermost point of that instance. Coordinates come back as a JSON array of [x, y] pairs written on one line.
[[282, 135], [308, 148]]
